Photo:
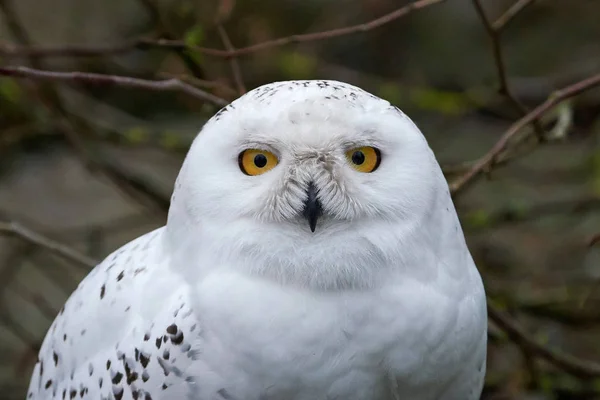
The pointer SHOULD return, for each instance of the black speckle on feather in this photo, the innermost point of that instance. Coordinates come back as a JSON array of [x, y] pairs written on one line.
[[172, 329], [144, 359], [118, 392], [116, 378], [178, 338]]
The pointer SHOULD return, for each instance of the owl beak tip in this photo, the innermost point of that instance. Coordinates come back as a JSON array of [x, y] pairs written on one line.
[[312, 207]]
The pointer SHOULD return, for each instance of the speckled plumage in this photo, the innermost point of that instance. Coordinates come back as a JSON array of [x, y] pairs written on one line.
[[236, 299]]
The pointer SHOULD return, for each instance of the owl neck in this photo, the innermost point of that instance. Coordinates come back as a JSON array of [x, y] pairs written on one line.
[[357, 256]]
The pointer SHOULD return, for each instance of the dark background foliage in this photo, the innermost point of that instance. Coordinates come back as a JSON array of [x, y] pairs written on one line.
[[88, 155]]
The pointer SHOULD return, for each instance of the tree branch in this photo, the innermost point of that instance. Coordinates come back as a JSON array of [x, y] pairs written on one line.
[[12, 51], [15, 229], [233, 61], [80, 51], [504, 88], [488, 160], [107, 80], [568, 363], [512, 12]]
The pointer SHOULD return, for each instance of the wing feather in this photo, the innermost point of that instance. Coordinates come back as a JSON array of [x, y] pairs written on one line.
[[113, 341]]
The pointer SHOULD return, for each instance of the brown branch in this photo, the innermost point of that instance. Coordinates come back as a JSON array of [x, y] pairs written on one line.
[[233, 61], [128, 185], [45, 92], [141, 43], [504, 88], [15, 229], [512, 12], [594, 240], [106, 80], [213, 85], [160, 23], [311, 37], [488, 160], [13, 51], [568, 363]]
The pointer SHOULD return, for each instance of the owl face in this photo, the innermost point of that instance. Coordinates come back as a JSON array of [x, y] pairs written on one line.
[[304, 166], [309, 154]]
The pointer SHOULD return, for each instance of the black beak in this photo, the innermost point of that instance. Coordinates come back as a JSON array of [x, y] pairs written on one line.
[[312, 207]]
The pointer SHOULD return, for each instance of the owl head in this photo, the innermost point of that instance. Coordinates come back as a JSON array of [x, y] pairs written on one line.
[[310, 182]]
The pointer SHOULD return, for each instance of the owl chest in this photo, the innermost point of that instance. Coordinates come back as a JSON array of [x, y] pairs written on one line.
[[293, 345]]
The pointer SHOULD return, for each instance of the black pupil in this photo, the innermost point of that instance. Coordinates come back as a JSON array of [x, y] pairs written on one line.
[[358, 157], [260, 160]]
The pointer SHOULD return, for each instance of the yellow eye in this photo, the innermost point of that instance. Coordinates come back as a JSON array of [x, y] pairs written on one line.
[[255, 162], [364, 159]]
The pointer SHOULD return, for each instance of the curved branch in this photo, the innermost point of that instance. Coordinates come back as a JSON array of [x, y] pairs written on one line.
[[106, 80], [487, 161], [81, 51], [69, 253], [568, 363]]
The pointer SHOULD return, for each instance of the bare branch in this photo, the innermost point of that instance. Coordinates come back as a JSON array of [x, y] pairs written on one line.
[[311, 37], [106, 80], [12, 51], [594, 240], [13, 228], [181, 45], [504, 88], [214, 85], [233, 61], [160, 23], [488, 160], [512, 12], [568, 363]]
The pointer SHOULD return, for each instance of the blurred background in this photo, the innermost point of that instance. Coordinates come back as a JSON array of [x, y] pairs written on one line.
[[89, 162]]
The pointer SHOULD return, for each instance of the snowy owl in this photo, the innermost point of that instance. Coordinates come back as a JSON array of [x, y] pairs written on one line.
[[312, 252]]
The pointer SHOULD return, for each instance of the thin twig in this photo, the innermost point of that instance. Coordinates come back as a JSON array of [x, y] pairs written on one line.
[[568, 363], [13, 51], [311, 37], [504, 88], [201, 83], [46, 93], [106, 80], [182, 45], [233, 61], [13, 228], [512, 12], [52, 101], [487, 161], [160, 23], [594, 240]]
